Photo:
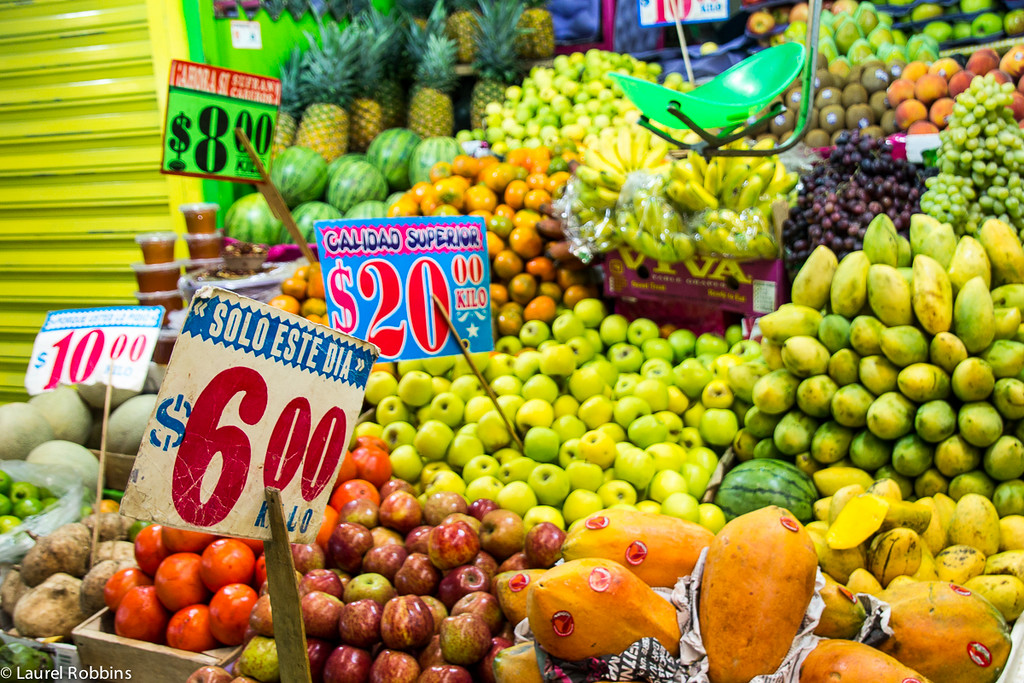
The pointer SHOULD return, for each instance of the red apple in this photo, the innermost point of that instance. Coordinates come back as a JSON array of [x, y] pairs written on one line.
[[210, 674], [760, 23], [514, 563], [452, 544], [481, 506], [392, 666], [392, 485], [502, 533], [260, 618], [431, 654], [543, 545], [324, 580], [401, 511], [347, 545], [437, 610], [485, 669], [485, 606], [359, 623], [416, 540], [385, 536], [359, 511], [445, 673], [440, 504], [320, 613], [486, 563], [348, 664], [472, 521], [406, 623], [385, 560], [318, 651], [417, 576], [460, 582], [307, 557], [465, 639]]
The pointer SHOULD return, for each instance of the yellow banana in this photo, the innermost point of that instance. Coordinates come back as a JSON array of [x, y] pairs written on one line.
[[765, 171], [766, 143], [734, 179], [656, 154], [680, 193], [607, 195], [601, 161], [713, 177], [623, 149], [751, 193], [708, 200], [782, 186], [700, 164], [779, 173], [684, 170]]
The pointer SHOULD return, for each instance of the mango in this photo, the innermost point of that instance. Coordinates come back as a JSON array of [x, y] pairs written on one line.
[[772, 354], [831, 479], [1009, 296], [863, 581], [932, 295], [517, 664], [973, 380], [904, 255], [1007, 323], [838, 564], [794, 433], [831, 443], [923, 382], [812, 285], [759, 423], [947, 351], [790, 320], [511, 587], [842, 367], [969, 261], [935, 421], [821, 508], [974, 316], [932, 238], [1005, 357], [806, 464], [980, 424], [743, 377], [975, 523], [880, 245], [744, 443], [769, 554], [890, 416], [955, 456], [1002, 244], [1011, 533], [840, 498], [814, 395], [889, 296], [907, 515], [766, 448], [670, 546], [901, 580], [834, 332], [868, 452], [851, 404], [926, 570], [852, 662], [1008, 562], [877, 374], [904, 345], [849, 291], [1004, 459], [804, 356], [775, 393], [930, 482], [896, 552], [579, 609], [886, 488], [866, 335], [1005, 592], [858, 520], [934, 536], [843, 615]]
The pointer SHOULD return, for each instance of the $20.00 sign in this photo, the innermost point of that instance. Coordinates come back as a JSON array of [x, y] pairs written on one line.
[[253, 397]]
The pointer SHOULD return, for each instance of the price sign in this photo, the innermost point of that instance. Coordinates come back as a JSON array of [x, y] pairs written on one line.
[[664, 12], [204, 107], [253, 397], [79, 346], [380, 277]]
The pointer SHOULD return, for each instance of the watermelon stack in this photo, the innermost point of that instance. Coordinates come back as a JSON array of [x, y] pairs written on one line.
[[390, 153], [368, 209], [356, 182], [306, 214], [428, 153], [250, 219], [341, 162], [300, 175]]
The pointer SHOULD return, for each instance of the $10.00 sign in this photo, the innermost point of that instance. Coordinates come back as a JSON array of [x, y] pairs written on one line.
[[253, 397]]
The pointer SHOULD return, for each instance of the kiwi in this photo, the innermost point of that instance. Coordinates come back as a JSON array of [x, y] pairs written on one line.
[[827, 96], [812, 118], [879, 104], [824, 79], [817, 138], [783, 123], [822, 62], [832, 118], [792, 98], [854, 93], [855, 73], [766, 136], [873, 132], [888, 122], [875, 79], [859, 116]]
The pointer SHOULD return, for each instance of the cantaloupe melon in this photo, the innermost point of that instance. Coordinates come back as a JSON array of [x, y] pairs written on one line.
[[68, 456], [22, 427], [128, 423], [66, 412], [93, 394]]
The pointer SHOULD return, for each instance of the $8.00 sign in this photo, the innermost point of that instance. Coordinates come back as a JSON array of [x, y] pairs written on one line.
[[380, 277], [253, 397], [79, 346], [204, 107]]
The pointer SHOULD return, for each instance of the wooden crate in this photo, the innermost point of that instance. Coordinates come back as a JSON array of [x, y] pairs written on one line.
[[98, 646]]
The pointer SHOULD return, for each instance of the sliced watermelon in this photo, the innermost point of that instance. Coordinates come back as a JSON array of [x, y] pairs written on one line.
[[307, 213], [390, 152], [300, 174], [428, 153], [250, 219], [354, 183]]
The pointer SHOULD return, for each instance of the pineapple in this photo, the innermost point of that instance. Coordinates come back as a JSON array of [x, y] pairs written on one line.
[[326, 82], [291, 103], [366, 114], [418, 10], [274, 8], [431, 112], [497, 64], [537, 40], [461, 27], [297, 8], [389, 90]]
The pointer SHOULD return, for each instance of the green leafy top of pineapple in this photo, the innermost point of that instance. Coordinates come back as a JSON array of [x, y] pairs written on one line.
[[394, 64], [417, 8], [416, 34], [464, 5], [495, 35], [275, 8], [297, 8], [328, 68], [437, 68], [537, 4], [370, 47], [291, 99]]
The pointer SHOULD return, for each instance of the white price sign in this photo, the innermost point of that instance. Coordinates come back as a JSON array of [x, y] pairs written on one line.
[[664, 12], [253, 397], [79, 346]]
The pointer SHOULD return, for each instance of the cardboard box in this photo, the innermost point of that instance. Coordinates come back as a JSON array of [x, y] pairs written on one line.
[[100, 648]]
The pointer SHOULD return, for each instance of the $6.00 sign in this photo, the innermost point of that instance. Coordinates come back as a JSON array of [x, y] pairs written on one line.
[[253, 397]]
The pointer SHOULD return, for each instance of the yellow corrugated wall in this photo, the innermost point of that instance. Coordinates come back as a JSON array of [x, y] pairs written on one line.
[[82, 86]]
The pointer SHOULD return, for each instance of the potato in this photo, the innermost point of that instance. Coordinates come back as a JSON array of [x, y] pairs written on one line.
[[113, 527], [118, 551], [12, 590], [50, 609], [66, 551], [91, 596]]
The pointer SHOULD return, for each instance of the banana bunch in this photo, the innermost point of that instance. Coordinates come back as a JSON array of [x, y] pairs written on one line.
[[739, 234], [617, 154], [649, 223]]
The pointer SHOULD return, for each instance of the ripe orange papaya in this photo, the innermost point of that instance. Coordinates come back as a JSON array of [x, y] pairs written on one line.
[[846, 661], [843, 615], [657, 548], [758, 580], [596, 607], [510, 589], [946, 632]]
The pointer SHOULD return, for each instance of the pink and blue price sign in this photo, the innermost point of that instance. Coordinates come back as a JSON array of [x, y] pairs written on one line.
[[381, 277]]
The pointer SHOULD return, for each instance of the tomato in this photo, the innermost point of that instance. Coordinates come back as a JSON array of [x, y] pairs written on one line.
[[255, 545], [369, 440], [178, 582], [149, 548], [184, 541], [373, 464], [260, 573], [189, 629], [229, 612], [327, 526], [346, 472], [120, 583], [352, 489], [225, 561], [141, 616]]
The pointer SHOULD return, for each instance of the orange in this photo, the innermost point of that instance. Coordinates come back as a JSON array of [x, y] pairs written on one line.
[[499, 294], [294, 287], [486, 215], [526, 242], [498, 176], [537, 181], [542, 267], [495, 245], [480, 198], [515, 193], [441, 169], [538, 159], [518, 157], [550, 289], [506, 211], [465, 166], [315, 284], [522, 288], [406, 205], [509, 322], [483, 163], [351, 490], [576, 293], [557, 181], [521, 172], [540, 308], [536, 199], [314, 318], [107, 505], [326, 528], [302, 272], [446, 210], [501, 225], [419, 190], [567, 278], [449, 192], [313, 306], [429, 201], [507, 264], [526, 218], [458, 181]]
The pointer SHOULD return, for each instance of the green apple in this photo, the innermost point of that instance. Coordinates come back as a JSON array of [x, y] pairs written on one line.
[[613, 329], [657, 368], [582, 348], [597, 447], [568, 427], [595, 411], [604, 368], [667, 456], [480, 466], [5, 483], [568, 452], [711, 517], [658, 348], [391, 409], [480, 361], [484, 487], [591, 312], [691, 418], [432, 440], [594, 337], [703, 456], [682, 506], [649, 507], [692, 376], [543, 513], [466, 387], [508, 344], [616, 491], [557, 360], [712, 344], [581, 503], [446, 481], [647, 430], [540, 387], [516, 469], [717, 394], [431, 470], [634, 465], [546, 345], [625, 384], [518, 497], [504, 455], [533, 332], [733, 335], [535, 413], [640, 330], [463, 448], [422, 414], [615, 431], [566, 326], [492, 432], [437, 366], [5, 505], [673, 423], [507, 385], [405, 366], [550, 483], [653, 392], [415, 388], [986, 24], [625, 357], [584, 475], [584, 383], [510, 404], [683, 342], [677, 400], [501, 364], [541, 444], [718, 426], [368, 429], [665, 483], [8, 522], [476, 407], [440, 385], [697, 477], [526, 364], [378, 385], [628, 409], [565, 405], [466, 430], [448, 408]]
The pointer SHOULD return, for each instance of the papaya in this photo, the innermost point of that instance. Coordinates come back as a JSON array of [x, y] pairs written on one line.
[[595, 607], [845, 661], [843, 614], [517, 664], [510, 589], [946, 632], [766, 555], [657, 548]]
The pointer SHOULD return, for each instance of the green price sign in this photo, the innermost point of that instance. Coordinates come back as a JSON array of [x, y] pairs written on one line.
[[205, 105]]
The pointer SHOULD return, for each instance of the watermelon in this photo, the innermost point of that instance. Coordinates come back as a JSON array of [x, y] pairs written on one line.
[[250, 219], [761, 482], [390, 153], [307, 213], [357, 182], [368, 209], [428, 153], [300, 174], [341, 162]]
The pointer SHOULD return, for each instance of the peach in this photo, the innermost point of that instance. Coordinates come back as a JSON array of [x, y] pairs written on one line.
[[922, 128], [910, 112], [899, 90], [960, 81], [940, 111], [1000, 76], [914, 71], [1013, 62], [798, 12], [945, 67], [983, 61], [930, 87], [1017, 106]]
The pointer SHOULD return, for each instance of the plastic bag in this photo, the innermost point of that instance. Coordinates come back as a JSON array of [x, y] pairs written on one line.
[[71, 495], [589, 224], [746, 234], [648, 222]]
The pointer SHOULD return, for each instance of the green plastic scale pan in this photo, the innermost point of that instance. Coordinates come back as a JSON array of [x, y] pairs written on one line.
[[734, 101]]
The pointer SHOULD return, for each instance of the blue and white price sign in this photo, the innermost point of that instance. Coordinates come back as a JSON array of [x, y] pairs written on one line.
[[664, 12], [381, 277]]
